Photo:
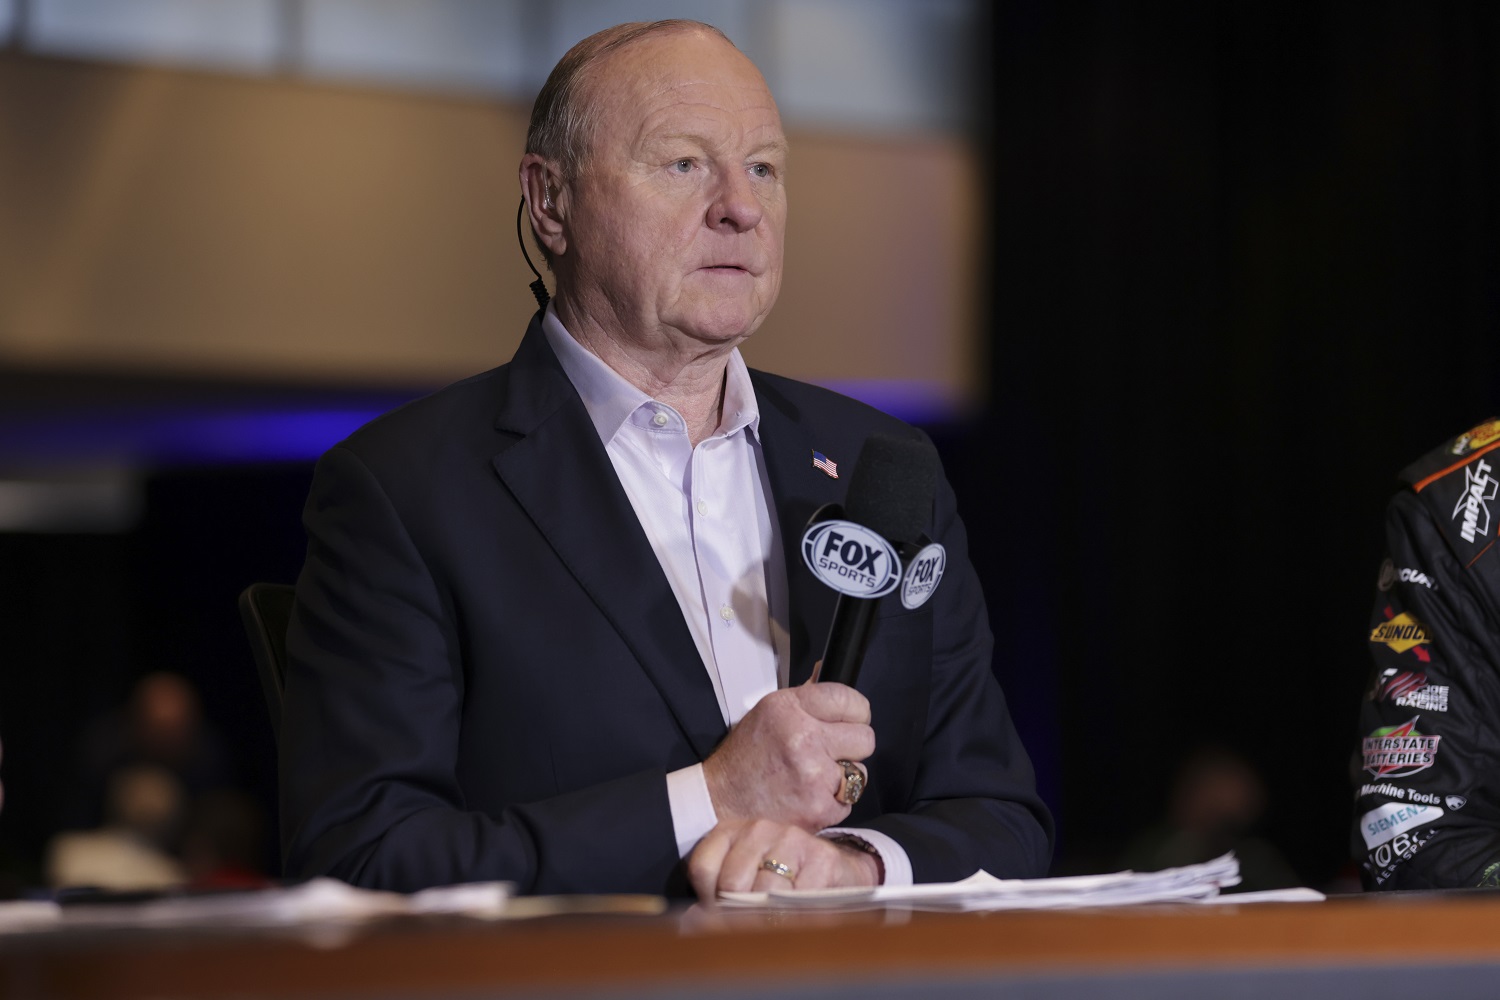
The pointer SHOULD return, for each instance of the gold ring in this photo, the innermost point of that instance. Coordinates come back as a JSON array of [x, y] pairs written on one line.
[[853, 785], [777, 868]]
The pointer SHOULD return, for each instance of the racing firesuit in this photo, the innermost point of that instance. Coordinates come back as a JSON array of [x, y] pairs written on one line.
[[1427, 799]]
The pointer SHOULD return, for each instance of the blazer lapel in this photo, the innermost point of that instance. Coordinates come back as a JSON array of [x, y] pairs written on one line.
[[559, 472], [799, 489]]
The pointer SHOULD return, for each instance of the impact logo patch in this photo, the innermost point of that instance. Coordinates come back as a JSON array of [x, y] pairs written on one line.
[[1399, 751], [1479, 488], [1403, 633], [851, 558], [923, 575], [1472, 440]]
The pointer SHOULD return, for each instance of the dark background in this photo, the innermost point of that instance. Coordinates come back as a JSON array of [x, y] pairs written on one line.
[[1242, 270]]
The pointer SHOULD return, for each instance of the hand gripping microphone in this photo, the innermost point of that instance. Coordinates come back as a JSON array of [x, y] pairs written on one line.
[[889, 502]]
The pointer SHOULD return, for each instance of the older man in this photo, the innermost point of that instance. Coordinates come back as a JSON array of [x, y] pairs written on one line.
[[553, 627]]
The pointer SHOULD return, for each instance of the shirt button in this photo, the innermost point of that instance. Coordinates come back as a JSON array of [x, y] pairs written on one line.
[[660, 420], [726, 613], [703, 507]]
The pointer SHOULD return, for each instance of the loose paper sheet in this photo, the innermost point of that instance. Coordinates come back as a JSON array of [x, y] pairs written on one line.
[[982, 891]]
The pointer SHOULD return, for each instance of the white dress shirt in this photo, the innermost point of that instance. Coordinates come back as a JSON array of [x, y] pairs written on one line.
[[706, 512]]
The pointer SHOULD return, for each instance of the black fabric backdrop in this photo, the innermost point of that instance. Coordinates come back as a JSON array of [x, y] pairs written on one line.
[[1244, 270]]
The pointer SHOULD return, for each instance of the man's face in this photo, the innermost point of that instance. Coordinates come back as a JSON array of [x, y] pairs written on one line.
[[676, 218]]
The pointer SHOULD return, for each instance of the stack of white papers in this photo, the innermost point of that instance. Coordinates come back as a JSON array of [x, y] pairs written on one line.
[[320, 903], [982, 891], [322, 900]]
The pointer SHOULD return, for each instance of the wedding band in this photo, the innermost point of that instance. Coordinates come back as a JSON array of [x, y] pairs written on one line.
[[777, 868], [854, 783]]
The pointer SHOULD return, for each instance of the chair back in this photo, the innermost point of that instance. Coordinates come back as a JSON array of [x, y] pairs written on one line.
[[266, 610]]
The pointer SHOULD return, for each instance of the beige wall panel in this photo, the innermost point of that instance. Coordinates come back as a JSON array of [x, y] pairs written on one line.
[[168, 222], [881, 263], [175, 222]]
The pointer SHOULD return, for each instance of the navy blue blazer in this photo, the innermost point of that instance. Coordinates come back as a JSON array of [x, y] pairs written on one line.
[[489, 676]]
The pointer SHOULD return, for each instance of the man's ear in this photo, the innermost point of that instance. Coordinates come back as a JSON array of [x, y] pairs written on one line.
[[541, 186]]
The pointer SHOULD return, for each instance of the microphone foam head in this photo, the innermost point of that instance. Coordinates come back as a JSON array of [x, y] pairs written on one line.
[[894, 482]]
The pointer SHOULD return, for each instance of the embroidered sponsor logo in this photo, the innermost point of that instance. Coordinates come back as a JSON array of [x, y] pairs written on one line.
[[1386, 858], [1479, 487], [1410, 689], [923, 575], [1455, 802], [1402, 633], [1476, 438], [1390, 573], [1404, 794], [1380, 825], [1399, 751], [851, 558]]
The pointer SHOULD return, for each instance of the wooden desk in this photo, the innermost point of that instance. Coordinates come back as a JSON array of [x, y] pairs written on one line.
[[1437, 945]]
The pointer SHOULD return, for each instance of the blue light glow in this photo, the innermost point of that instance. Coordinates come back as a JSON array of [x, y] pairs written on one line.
[[171, 436], [916, 402], [166, 434]]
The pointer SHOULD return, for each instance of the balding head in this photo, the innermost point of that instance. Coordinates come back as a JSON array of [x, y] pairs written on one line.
[[567, 110]]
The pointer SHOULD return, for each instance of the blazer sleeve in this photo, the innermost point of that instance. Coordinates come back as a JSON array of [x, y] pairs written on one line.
[[972, 802], [371, 728]]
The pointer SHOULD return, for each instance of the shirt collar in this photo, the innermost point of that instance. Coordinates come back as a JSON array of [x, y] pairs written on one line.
[[610, 399]]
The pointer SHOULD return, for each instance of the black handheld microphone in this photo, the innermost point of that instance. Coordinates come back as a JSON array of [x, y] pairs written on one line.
[[891, 494]]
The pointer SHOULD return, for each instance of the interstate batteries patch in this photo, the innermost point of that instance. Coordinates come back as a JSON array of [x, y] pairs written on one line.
[[1399, 751]]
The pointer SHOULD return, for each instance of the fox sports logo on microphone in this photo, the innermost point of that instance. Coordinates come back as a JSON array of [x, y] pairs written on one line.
[[851, 558], [924, 571]]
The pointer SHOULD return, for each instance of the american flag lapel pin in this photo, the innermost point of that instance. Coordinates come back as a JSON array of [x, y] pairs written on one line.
[[827, 465]]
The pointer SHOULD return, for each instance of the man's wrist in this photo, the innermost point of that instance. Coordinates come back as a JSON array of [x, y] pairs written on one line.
[[716, 782], [863, 854], [692, 807], [895, 866]]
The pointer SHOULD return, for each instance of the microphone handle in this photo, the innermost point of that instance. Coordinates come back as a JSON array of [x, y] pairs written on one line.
[[853, 619], [848, 638]]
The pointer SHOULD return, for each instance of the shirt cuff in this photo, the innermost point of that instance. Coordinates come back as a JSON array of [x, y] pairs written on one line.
[[693, 809], [892, 855]]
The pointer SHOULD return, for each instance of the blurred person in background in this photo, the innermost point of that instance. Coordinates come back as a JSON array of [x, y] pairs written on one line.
[[156, 806], [222, 841], [1218, 801], [161, 725], [132, 850]]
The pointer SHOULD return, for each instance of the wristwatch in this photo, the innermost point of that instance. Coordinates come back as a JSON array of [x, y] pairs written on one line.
[[863, 846]]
